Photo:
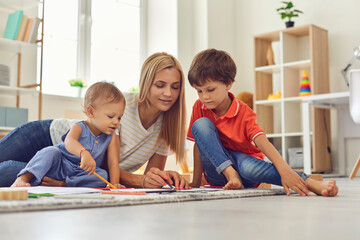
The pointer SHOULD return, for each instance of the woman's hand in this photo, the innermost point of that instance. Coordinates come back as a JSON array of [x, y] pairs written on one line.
[[117, 185], [154, 178], [292, 180]]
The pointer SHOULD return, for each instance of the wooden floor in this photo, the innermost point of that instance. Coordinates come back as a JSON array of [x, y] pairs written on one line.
[[272, 217]]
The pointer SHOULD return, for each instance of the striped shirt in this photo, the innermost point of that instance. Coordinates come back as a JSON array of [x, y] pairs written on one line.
[[138, 144]]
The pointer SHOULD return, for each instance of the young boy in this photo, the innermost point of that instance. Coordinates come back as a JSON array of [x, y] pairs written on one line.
[[230, 145], [86, 146]]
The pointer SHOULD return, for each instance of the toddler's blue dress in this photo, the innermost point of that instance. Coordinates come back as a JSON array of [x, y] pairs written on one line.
[[57, 163]]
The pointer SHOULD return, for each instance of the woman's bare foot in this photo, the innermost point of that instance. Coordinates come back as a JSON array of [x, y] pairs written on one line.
[[327, 189], [234, 181], [23, 180], [46, 181]]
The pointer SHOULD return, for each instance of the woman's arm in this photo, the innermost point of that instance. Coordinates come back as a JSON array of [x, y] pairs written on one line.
[[113, 161], [289, 178], [197, 175]]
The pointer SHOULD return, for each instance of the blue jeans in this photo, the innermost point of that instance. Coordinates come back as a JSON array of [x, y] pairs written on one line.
[[19, 146], [215, 158]]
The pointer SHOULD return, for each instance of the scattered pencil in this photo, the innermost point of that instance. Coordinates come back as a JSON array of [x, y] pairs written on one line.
[[37, 195]]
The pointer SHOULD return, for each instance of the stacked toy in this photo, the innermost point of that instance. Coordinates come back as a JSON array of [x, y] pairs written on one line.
[[305, 85]]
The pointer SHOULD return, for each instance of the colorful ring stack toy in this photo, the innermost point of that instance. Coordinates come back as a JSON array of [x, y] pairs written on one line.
[[305, 85]]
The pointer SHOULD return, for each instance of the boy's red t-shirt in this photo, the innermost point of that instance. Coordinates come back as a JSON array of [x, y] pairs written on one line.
[[237, 128]]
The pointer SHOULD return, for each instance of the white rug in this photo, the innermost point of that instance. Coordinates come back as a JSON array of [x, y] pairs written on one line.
[[99, 200]]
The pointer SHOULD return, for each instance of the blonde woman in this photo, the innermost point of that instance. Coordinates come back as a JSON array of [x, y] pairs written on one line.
[[153, 125]]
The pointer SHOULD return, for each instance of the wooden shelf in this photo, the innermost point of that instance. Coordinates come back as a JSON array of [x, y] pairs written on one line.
[[33, 8], [14, 45], [19, 4], [17, 90], [300, 48]]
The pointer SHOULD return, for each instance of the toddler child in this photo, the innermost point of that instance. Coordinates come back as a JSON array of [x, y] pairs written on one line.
[[229, 144], [85, 147]]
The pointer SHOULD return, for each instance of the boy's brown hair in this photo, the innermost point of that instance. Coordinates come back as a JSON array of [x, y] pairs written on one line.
[[214, 64]]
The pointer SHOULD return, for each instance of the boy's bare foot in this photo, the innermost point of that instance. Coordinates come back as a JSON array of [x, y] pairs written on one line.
[[46, 181], [233, 184], [23, 180], [234, 181], [327, 189]]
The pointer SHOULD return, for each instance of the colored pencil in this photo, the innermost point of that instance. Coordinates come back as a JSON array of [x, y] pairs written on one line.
[[101, 178], [35, 195], [171, 187], [125, 193], [112, 186]]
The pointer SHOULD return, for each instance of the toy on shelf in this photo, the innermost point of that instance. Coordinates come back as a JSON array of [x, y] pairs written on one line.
[[305, 85], [277, 95], [270, 56], [247, 98]]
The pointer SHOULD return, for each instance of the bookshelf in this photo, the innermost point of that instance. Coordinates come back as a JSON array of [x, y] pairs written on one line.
[[22, 53], [295, 49]]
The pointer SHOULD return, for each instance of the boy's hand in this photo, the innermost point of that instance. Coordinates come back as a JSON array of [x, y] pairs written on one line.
[[87, 162], [292, 180]]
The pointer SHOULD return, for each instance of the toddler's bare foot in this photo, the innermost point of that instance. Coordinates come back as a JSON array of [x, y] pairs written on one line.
[[327, 189], [20, 183], [46, 181], [23, 180]]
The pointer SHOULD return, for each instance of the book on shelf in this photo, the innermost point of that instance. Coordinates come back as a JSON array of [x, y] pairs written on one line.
[[13, 24], [28, 29], [34, 30], [22, 28]]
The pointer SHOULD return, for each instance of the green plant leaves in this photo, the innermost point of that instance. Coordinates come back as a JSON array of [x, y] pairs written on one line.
[[287, 11]]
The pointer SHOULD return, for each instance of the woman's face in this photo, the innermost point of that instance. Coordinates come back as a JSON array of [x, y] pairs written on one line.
[[165, 89]]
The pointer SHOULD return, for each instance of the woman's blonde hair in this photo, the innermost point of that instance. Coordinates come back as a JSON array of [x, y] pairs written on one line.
[[174, 120]]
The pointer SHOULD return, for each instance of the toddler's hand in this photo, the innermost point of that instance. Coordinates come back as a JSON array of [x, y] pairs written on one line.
[[88, 163]]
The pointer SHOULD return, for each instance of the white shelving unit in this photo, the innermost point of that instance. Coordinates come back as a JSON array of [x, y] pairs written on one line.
[[20, 50], [296, 49]]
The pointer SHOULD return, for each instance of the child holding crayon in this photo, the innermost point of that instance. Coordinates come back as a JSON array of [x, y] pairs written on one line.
[[229, 144], [85, 146]]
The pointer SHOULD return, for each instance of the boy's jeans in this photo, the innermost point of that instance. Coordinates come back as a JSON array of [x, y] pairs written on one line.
[[19, 146], [215, 158]]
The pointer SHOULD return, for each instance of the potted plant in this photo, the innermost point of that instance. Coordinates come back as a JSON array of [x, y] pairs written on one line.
[[79, 84], [287, 11]]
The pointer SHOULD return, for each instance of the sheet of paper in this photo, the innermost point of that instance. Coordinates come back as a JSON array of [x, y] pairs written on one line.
[[147, 190], [61, 190], [158, 190]]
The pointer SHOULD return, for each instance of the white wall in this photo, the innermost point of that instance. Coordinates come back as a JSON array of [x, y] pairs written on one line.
[[161, 22], [230, 25]]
